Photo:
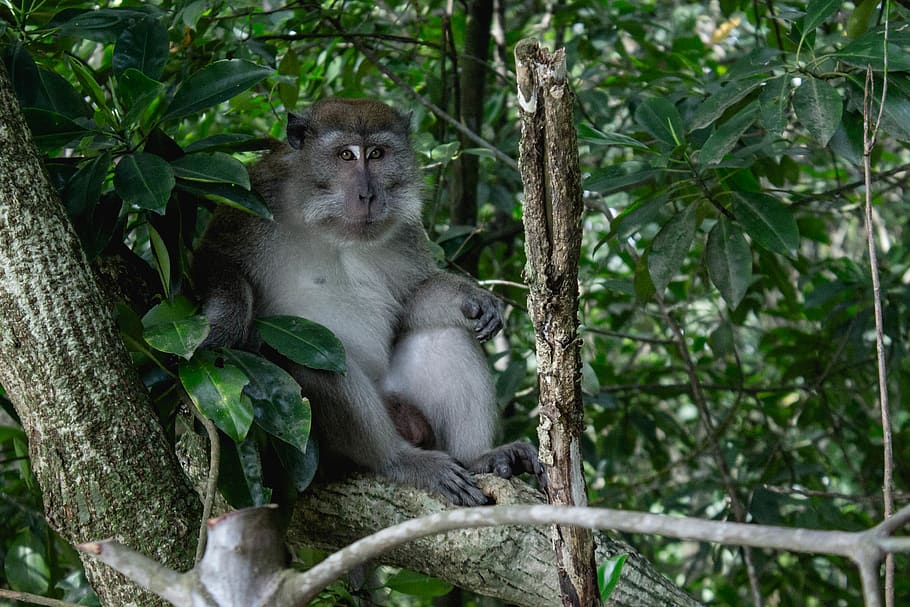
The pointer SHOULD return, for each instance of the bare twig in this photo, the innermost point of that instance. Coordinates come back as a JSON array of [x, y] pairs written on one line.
[[211, 484], [34, 599], [870, 131]]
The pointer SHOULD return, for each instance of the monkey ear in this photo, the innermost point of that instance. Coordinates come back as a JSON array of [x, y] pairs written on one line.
[[298, 126]]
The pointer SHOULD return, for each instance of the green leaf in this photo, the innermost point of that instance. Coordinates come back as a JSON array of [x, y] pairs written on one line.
[[83, 190], [714, 106], [305, 342], [620, 176], [278, 406], [774, 100], [228, 142], [768, 221], [144, 180], [818, 107], [240, 474], [608, 574], [725, 137], [670, 247], [56, 94], [26, 566], [631, 219], [213, 84], [869, 50], [138, 93], [659, 117], [143, 46], [301, 466], [817, 12], [729, 261], [51, 130], [23, 73], [106, 24], [289, 90], [228, 194], [214, 167], [216, 388], [162, 259], [418, 584], [588, 134], [86, 78], [180, 337]]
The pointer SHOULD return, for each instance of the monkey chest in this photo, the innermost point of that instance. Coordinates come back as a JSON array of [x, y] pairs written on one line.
[[345, 295]]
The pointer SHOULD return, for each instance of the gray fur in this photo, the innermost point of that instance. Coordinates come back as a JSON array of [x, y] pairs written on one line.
[[347, 250]]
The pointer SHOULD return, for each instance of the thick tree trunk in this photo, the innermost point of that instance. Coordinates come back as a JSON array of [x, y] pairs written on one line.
[[552, 218], [515, 564], [100, 457]]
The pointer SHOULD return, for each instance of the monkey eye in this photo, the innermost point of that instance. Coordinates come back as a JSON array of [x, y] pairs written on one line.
[[376, 153], [346, 155]]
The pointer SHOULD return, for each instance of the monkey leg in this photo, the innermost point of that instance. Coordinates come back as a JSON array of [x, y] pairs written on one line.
[[444, 374], [353, 423]]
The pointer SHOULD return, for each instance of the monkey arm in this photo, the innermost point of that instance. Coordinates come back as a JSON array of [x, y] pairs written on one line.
[[446, 300], [221, 280]]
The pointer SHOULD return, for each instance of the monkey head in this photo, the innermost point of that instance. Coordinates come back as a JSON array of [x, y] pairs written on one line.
[[353, 169]]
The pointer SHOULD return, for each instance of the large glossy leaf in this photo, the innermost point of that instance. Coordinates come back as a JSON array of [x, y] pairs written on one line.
[[26, 565], [138, 93], [144, 180], [589, 134], [818, 107], [768, 221], [228, 194], [659, 117], [729, 261], [229, 142], [214, 167], [300, 465], [216, 388], [303, 341], [51, 130], [83, 190], [213, 84], [23, 73], [727, 134], [670, 247], [106, 24], [278, 406], [774, 100], [240, 475], [56, 94], [714, 106], [817, 12], [173, 326], [869, 49], [620, 176], [142, 46]]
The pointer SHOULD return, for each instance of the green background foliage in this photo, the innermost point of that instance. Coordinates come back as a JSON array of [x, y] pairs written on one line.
[[726, 293]]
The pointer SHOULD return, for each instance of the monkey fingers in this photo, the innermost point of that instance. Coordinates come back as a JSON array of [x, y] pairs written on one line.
[[456, 485], [487, 311], [513, 458]]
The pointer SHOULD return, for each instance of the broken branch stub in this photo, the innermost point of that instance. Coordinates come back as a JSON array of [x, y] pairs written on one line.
[[548, 161]]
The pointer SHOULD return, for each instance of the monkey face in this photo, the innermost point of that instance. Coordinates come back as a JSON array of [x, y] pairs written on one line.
[[356, 169]]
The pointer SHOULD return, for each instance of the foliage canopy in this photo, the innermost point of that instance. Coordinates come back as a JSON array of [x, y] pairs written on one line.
[[726, 297]]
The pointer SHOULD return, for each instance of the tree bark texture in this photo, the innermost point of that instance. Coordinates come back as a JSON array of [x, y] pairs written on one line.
[[548, 160], [100, 457], [514, 564], [472, 81]]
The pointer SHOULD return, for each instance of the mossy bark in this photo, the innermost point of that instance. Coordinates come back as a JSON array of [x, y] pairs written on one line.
[[100, 457]]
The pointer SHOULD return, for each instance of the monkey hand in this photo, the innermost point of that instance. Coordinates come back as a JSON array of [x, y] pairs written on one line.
[[486, 309], [437, 472], [513, 458]]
